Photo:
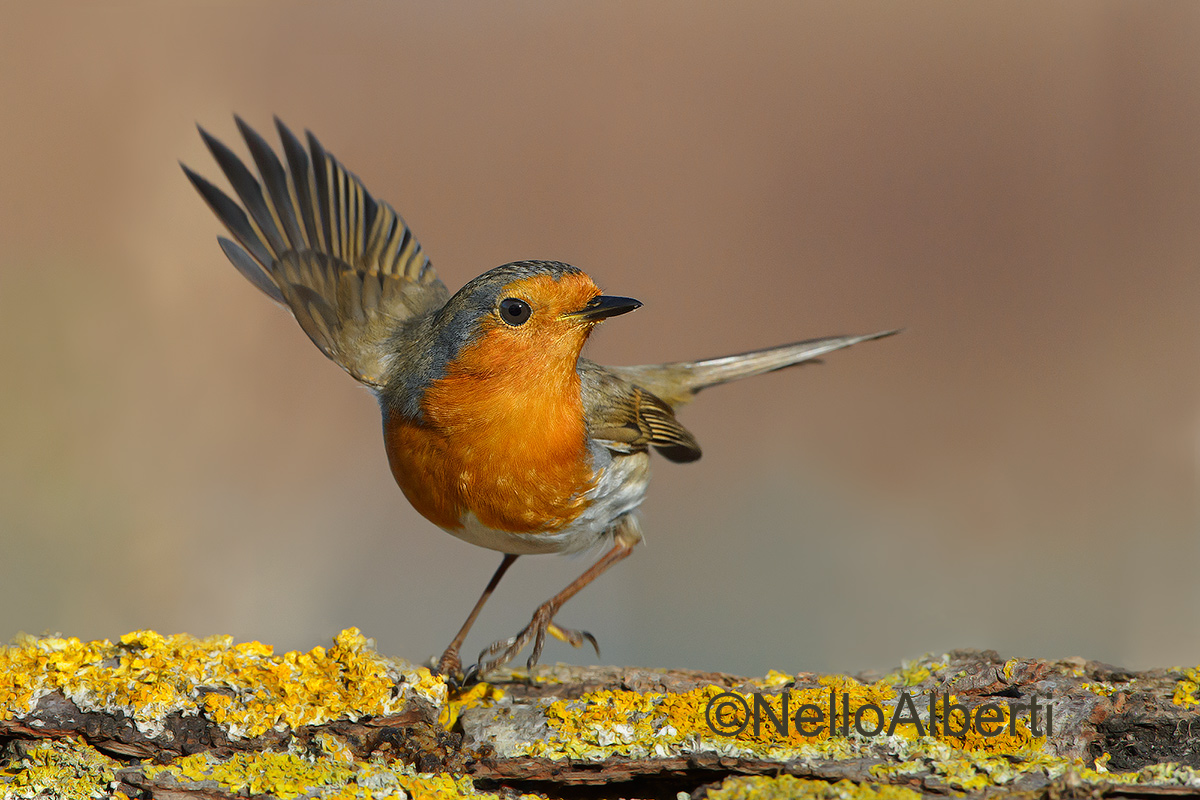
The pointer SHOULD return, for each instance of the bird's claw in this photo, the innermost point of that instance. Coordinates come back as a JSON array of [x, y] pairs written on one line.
[[542, 623], [450, 668], [573, 638], [470, 677], [504, 650]]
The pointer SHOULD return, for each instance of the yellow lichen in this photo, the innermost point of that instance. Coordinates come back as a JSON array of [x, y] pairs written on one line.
[[284, 775], [481, 695], [244, 688], [972, 771], [1007, 742], [1102, 688], [785, 787], [248, 690], [327, 775], [1187, 691], [774, 680], [912, 673], [639, 725], [62, 769]]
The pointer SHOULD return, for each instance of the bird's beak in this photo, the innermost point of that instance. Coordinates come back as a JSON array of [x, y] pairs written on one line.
[[603, 306]]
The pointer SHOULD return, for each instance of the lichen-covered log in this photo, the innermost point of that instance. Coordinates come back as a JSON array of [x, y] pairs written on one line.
[[177, 717]]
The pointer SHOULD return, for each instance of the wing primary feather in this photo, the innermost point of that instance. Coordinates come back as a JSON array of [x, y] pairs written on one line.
[[248, 189], [346, 213], [274, 178], [370, 207], [301, 171], [407, 257], [391, 247], [308, 233], [232, 217], [359, 224], [667, 435], [253, 272], [377, 238], [680, 454], [323, 192]]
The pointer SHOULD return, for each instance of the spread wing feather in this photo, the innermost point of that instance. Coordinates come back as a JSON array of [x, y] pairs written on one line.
[[347, 265]]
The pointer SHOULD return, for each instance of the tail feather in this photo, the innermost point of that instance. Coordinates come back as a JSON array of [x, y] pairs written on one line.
[[677, 383]]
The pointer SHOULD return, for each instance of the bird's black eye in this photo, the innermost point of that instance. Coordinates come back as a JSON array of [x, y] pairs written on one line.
[[514, 311]]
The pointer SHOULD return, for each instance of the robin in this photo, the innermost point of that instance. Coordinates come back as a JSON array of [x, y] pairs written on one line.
[[496, 430]]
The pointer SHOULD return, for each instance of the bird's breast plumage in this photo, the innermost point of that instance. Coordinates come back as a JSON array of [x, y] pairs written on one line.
[[506, 446]]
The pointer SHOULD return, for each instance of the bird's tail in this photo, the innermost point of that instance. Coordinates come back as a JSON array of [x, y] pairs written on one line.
[[678, 382]]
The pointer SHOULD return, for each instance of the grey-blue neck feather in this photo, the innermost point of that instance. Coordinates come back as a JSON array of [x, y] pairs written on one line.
[[424, 346]]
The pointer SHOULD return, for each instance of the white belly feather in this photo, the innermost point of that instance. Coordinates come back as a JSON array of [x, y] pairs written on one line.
[[621, 481]]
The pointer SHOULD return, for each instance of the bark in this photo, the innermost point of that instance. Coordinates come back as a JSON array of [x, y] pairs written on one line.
[[610, 732]]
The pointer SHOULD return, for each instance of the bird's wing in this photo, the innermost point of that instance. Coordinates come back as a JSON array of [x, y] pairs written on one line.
[[346, 264], [629, 418]]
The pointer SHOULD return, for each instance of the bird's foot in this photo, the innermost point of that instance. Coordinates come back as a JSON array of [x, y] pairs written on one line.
[[542, 623], [450, 663], [449, 666], [573, 638]]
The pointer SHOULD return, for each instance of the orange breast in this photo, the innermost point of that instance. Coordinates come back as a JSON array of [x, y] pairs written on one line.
[[508, 444]]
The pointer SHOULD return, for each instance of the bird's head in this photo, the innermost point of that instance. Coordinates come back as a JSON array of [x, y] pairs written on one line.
[[528, 315]]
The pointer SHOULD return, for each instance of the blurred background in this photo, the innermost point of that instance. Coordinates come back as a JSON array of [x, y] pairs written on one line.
[[1017, 184]]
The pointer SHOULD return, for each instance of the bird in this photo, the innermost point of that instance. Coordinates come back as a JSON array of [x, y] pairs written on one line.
[[495, 427]]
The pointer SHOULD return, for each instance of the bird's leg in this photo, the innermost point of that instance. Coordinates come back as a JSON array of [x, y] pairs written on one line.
[[627, 535], [450, 665]]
